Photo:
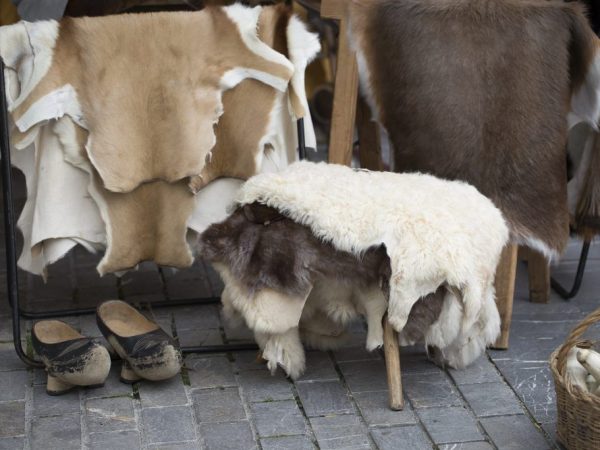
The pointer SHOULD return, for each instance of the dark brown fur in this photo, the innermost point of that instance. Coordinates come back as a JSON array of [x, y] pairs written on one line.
[[478, 90], [423, 314], [263, 249]]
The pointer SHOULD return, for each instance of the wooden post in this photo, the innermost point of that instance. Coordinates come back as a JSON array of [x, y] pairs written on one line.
[[505, 291], [345, 89], [392, 363], [368, 138], [538, 270]]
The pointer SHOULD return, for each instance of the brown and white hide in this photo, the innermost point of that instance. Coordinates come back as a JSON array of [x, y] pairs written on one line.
[[285, 282], [152, 221], [148, 86], [146, 224], [479, 90], [314, 260], [258, 120]]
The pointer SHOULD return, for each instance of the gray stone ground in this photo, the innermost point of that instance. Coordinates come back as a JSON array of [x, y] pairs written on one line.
[[229, 401]]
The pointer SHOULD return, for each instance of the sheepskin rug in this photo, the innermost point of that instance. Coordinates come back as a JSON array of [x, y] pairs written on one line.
[[443, 239]]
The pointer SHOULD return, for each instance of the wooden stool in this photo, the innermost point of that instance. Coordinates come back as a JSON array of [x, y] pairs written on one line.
[[344, 115]]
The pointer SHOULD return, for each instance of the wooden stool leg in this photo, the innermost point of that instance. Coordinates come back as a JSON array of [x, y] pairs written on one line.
[[505, 291], [538, 269], [392, 364]]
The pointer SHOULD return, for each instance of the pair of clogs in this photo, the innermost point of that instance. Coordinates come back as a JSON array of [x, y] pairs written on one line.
[[73, 360]]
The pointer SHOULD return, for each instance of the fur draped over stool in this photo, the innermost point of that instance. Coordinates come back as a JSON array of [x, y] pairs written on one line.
[[310, 248], [480, 91]]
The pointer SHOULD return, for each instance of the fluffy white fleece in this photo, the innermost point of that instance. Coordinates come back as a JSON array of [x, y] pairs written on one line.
[[435, 231], [281, 324]]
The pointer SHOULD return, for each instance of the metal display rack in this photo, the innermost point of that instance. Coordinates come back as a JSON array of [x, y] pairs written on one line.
[[12, 283]]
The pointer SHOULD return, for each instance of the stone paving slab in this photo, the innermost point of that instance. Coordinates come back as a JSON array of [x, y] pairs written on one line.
[[231, 401], [228, 436], [514, 433], [335, 432], [373, 406], [218, 405], [280, 418], [401, 438], [118, 440], [109, 414], [168, 424], [450, 424], [209, 371], [491, 399], [321, 398], [301, 442], [62, 432]]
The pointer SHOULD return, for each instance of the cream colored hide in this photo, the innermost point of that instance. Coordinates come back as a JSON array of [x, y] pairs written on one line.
[[51, 139], [435, 233]]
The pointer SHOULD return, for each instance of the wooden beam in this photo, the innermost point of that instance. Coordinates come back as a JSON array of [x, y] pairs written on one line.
[[505, 292], [334, 9], [345, 92]]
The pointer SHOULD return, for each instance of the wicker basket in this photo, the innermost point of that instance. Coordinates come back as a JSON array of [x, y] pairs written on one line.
[[578, 424]]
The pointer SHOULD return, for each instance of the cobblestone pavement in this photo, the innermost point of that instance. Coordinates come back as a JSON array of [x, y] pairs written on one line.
[[229, 401]]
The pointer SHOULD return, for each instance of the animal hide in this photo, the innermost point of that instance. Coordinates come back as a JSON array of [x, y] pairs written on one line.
[[43, 223], [147, 121], [128, 223], [243, 142], [326, 224], [423, 249], [478, 90]]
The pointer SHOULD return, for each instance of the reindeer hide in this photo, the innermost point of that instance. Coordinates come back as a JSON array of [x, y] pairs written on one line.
[[479, 90]]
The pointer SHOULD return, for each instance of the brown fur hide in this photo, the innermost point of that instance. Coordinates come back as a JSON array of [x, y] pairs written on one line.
[[265, 250], [479, 90], [150, 87]]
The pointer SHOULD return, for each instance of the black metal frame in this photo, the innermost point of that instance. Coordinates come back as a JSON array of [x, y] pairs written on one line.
[[11, 253], [569, 294]]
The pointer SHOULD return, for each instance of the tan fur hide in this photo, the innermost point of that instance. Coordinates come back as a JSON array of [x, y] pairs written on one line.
[[242, 130], [151, 221], [479, 90], [150, 86]]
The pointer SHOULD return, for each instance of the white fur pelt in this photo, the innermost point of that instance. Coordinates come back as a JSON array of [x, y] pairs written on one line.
[[435, 232], [282, 324]]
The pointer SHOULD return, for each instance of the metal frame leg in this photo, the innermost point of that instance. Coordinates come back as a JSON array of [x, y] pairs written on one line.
[[560, 290], [11, 253], [12, 281]]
